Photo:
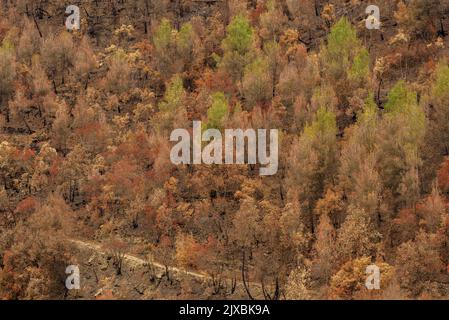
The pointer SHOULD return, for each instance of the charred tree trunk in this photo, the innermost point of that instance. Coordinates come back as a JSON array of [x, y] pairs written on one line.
[[245, 284]]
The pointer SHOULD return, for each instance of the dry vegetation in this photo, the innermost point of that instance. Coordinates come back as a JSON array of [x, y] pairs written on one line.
[[85, 120]]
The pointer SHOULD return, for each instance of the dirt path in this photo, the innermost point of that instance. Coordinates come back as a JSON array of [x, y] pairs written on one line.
[[136, 260]]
